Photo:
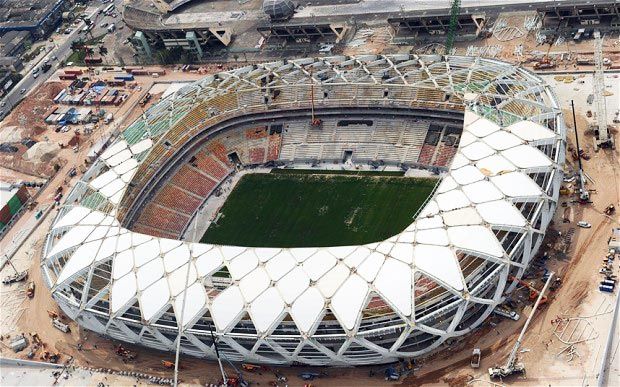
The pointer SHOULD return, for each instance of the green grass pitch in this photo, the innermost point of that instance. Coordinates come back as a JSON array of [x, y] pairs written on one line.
[[302, 210]]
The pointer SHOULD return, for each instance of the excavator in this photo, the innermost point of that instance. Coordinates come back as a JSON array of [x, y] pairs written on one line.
[[533, 291]]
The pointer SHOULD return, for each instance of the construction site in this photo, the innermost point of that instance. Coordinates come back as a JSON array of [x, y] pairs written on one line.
[[111, 178]]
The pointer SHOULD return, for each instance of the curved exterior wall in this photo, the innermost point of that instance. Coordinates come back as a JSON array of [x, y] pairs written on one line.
[[402, 297]]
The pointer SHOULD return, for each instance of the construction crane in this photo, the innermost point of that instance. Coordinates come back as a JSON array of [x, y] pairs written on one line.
[[603, 139], [584, 194], [455, 10], [511, 366]]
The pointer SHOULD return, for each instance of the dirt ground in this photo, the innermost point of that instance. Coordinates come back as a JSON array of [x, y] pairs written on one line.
[[578, 296]]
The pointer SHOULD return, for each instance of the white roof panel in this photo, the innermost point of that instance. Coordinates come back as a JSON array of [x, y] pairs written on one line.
[[122, 291], [403, 251], [447, 184], [266, 310], [482, 127], [530, 131], [331, 281], [524, 156], [357, 257], [516, 184], [307, 309], [176, 257], [81, 259], [440, 263], [141, 146], [146, 252], [370, 267], [435, 236], [243, 264], [293, 284], [72, 217], [476, 151], [119, 158], [265, 254], [502, 213], [125, 166], [73, 237], [154, 298], [180, 278], [301, 254], [254, 284], [319, 264], [114, 149], [467, 175], [150, 273], [495, 165], [348, 301], [461, 217], [502, 140], [209, 262], [475, 238], [123, 263], [196, 301], [394, 283], [482, 191], [452, 200], [280, 265], [226, 307]]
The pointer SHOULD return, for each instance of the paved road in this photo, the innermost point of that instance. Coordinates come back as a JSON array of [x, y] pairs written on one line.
[[62, 52]]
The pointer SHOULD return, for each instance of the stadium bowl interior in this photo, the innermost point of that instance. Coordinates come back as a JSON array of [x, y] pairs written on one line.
[[115, 261]]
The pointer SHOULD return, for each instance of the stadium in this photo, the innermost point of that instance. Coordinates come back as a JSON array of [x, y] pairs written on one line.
[[120, 258]]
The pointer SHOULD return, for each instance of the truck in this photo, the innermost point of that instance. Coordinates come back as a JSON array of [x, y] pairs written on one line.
[[108, 118], [60, 325], [46, 67], [511, 314], [30, 289], [112, 27], [475, 358]]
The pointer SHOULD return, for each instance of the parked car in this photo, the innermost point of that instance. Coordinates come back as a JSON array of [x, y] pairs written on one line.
[[22, 91], [583, 224], [3, 104], [8, 148]]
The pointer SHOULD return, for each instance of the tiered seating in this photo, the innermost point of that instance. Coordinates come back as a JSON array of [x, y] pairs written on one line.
[[177, 199], [154, 231], [158, 218], [211, 166], [426, 154], [273, 147], [191, 180], [386, 132], [445, 155], [353, 133], [257, 155], [414, 133], [287, 152], [294, 133], [218, 149], [256, 133]]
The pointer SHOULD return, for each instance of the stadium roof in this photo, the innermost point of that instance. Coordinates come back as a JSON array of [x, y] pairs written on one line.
[[489, 171]]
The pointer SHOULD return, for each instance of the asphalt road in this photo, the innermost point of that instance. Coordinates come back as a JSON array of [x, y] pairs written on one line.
[[62, 52]]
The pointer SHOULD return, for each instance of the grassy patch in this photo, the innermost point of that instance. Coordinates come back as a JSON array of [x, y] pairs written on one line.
[[295, 210], [77, 57]]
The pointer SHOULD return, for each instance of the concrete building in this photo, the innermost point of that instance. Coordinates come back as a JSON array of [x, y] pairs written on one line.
[[38, 17]]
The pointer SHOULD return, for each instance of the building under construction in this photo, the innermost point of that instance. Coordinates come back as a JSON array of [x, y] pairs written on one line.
[[116, 262]]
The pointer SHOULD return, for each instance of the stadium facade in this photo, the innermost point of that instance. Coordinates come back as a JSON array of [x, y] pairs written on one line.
[[438, 279]]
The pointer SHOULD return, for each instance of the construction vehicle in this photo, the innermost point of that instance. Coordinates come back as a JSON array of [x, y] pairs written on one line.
[[308, 375], [391, 374], [610, 209], [511, 314], [124, 353], [30, 289], [534, 293], [60, 325], [512, 366], [17, 277], [167, 364], [251, 367], [584, 194], [475, 358]]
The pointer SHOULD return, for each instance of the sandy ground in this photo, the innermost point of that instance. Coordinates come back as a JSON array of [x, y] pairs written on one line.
[[577, 297]]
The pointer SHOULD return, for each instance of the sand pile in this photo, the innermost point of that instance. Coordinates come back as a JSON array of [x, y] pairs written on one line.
[[11, 134], [41, 152]]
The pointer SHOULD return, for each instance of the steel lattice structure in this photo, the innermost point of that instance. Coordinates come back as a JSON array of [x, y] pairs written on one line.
[[402, 297]]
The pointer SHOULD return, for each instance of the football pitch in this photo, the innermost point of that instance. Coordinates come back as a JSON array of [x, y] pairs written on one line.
[[303, 210]]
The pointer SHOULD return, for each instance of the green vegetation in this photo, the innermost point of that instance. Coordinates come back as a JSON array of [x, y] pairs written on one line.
[[295, 210]]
